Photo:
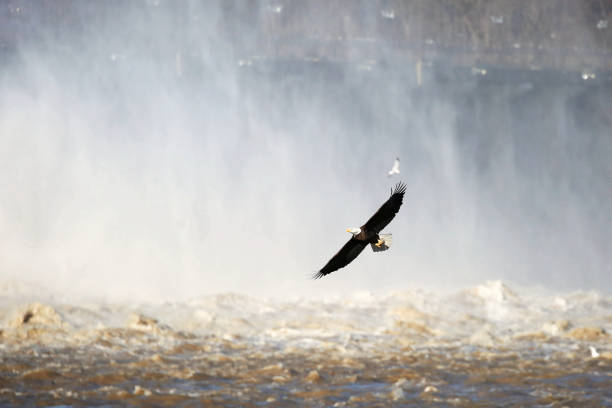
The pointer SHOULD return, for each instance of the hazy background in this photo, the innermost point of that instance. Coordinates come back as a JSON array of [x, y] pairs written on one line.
[[162, 149]]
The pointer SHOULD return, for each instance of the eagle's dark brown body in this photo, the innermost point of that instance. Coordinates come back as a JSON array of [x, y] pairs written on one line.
[[368, 234]]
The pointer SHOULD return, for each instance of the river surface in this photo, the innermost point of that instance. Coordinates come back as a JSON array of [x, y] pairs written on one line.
[[489, 345]]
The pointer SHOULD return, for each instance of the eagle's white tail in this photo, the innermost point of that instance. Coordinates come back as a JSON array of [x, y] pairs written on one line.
[[386, 239]]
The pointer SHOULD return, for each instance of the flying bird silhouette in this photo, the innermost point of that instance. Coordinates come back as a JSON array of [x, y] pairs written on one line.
[[368, 233]]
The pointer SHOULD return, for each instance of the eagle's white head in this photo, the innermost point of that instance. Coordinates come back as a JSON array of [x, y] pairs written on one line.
[[354, 231]]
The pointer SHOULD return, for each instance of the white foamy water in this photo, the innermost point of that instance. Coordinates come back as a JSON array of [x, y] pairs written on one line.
[[487, 344], [490, 314]]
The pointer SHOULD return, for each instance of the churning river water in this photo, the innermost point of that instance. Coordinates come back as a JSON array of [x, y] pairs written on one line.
[[489, 345]]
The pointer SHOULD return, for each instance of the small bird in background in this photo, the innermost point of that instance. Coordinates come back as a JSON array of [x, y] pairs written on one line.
[[594, 352], [395, 168]]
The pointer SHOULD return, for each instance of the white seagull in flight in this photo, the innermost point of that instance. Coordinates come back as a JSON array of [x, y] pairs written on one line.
[[395, 168]]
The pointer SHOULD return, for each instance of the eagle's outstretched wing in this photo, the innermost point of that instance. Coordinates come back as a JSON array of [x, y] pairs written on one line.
[[345, 256], [387, 211]]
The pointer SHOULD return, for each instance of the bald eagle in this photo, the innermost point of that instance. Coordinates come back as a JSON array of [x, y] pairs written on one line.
[[368, 233]]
